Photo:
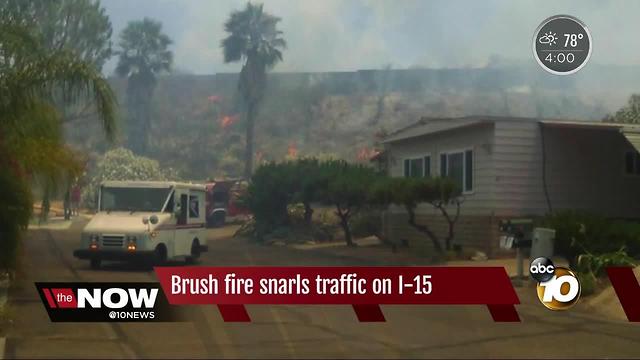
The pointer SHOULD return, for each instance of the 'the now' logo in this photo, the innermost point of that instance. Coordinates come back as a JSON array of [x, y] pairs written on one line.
[[111, 298]]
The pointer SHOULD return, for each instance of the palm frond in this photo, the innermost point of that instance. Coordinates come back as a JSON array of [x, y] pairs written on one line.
[[253, 33], [79, 80], [144, 48]]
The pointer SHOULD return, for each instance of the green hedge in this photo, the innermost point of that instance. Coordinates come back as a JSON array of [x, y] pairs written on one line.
[[580, 232], [352, 190], [15, 212]]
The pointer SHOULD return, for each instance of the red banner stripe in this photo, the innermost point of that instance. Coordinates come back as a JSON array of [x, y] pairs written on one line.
[[47, 294], [369, 313], [626, 287], [234, 313], [504, 313]]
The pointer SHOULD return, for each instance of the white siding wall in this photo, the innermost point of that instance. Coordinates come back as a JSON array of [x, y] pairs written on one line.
[[517, 159], [586, 170], [478, 138]]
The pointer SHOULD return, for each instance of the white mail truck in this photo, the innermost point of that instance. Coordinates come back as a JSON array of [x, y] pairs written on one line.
[[150, 221]]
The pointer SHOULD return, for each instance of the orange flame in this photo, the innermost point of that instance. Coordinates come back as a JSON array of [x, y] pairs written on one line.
[[292, 150], [228, 120], [365, 154]]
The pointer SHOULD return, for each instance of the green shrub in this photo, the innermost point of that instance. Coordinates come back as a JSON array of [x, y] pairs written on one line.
[[627, 233], [268, 197], [15, 212], [366, 223], [296, 213], [588, 283], [281, 194], [597, 264], [581, 233], [410, 192]]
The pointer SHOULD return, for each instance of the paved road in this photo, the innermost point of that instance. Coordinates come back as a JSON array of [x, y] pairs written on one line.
[[292, 331]]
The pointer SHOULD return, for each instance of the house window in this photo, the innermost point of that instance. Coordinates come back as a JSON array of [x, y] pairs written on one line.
[[632, 162], [417, 167], [458, 165]]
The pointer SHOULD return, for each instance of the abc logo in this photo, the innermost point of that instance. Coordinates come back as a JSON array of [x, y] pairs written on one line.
[[542, 269], [558, 287]]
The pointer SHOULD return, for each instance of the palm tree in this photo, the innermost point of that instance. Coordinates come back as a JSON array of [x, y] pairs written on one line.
[[143, 55], [254, 40], [31, 144]]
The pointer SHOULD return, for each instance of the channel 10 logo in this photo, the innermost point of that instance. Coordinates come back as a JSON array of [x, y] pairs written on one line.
[[558, 287]]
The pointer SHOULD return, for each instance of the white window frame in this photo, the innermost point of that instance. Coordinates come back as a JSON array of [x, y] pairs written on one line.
[[464, 167], [416, 157]]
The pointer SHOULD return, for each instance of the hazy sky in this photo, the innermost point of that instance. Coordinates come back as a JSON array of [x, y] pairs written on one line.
[[334, 35]]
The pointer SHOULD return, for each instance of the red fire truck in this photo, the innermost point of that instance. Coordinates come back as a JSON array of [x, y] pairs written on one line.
[[222, 201]]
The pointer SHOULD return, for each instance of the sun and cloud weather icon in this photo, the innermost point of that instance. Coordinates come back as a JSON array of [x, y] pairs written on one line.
[[549, 38]]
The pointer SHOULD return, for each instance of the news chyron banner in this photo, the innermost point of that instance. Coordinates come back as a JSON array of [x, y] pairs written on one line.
[[230, 288], [363, 288]]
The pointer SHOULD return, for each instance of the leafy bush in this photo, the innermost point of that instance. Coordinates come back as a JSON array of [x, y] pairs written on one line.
[[597, 264], [627, 233], [347, 189], [276, 187], [281, 193], [268, 196], [366, 223], [409, 192], [122, 164], [588, 283], [15, 211], [584, 233]]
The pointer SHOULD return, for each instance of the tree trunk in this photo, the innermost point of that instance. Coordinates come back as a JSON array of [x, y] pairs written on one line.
[[308, 213], [248, 155], [451, 222], [67, 203], [425, 230], [44, 206], [450, 236], [347, 232], [344, 223], [145, 126], [140, 89]]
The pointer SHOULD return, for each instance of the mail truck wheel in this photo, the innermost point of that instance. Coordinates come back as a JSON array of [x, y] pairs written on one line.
[[195, 251], [160, 256]]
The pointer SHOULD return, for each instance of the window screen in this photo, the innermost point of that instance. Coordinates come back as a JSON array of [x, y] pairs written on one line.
[[468, 170], [443, 165], [416, 167], [458, 166], [455, 169], [427, 166]]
